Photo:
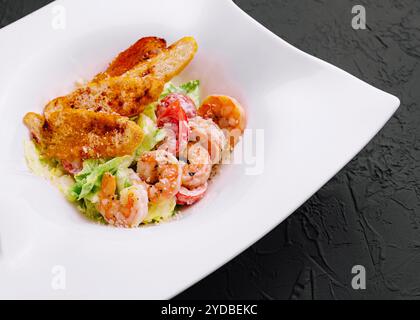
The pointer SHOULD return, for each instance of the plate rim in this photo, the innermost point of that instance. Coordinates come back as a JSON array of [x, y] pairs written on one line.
[[394, 105]]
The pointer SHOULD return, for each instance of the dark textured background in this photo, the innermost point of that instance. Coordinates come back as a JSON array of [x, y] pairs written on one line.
[[368, 214]]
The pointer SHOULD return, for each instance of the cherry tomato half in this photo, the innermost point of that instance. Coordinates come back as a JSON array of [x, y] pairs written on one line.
[[171, 114], [179, 100]]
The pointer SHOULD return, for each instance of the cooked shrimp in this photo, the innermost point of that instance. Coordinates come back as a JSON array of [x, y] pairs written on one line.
[[162, 172], [130, 209], [227, 113], [197, 170], [187, 197], [209, 135]]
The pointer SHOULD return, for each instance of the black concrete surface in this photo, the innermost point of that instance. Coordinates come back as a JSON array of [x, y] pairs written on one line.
[[369, 213]]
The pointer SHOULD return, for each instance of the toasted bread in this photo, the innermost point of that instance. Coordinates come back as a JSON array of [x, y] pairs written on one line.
[[123, 95], [92, 122], [169, 63], [81, 134], [143, 50]]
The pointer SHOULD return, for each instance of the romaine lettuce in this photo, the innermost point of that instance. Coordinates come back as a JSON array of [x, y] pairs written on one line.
[[152, 134], [150, 112], [88, 208], [161, 210], [88, 181], [85, 190], [48, 169], [191, 89]]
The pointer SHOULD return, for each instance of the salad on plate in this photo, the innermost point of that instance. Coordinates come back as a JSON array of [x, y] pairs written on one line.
[[130, 147]]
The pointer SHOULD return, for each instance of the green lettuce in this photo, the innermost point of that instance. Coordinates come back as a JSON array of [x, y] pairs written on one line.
[[152, 134], [191, 89], [88, 208], [86, 187], [161, 210], [88, 181], [53, 171], [123, 178], [150, 112], [48, 169]]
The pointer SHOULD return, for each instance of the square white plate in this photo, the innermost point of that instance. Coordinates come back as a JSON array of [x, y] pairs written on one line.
[[315, 119]]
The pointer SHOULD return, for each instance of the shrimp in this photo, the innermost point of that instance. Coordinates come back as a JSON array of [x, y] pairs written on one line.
[[162, 172], [227, 113], [209, 135], [197, 170], [130, 209], [187, 197]]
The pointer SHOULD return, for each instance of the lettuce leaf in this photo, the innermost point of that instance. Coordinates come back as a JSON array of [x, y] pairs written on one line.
[[152, 134], [160, 211], [88, 181], [191, 89], [85, 190], [88, 208], [53, 171], [47, 169], [150, 112]]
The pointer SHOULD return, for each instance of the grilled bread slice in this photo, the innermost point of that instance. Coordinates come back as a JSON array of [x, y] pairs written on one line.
[[129, 93], [92, 121], [73, 135]]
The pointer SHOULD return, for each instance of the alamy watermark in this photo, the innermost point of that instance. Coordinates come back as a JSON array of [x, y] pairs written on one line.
[[226, 147], [359, 19], [358, 282], [59, 17], [58, 277]]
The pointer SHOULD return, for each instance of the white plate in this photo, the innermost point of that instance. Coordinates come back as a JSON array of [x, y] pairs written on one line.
[[315, 119]]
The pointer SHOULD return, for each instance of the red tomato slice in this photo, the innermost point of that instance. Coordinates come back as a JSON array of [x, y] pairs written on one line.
[[174, 115], [179, 100], [181, 134], [186, 197], [182, 138]]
